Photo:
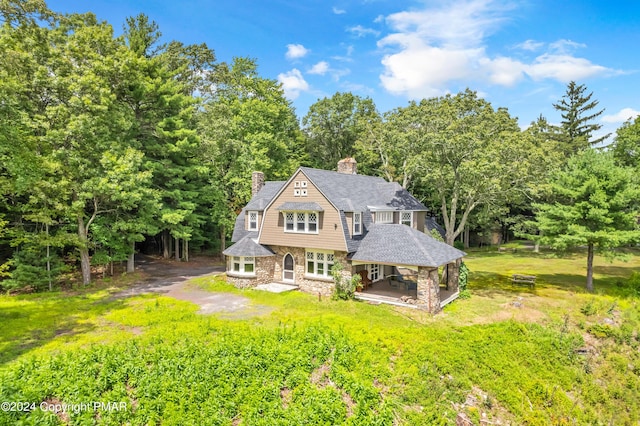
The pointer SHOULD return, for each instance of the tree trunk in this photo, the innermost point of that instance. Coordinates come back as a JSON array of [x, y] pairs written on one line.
[[590, 268], [131, 261], [85, 261], [166, 244], [466, 237], [185, 250], [223, 240], [49, 260], [177, 248]]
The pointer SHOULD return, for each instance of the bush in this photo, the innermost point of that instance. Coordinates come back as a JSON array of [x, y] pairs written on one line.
[[30, 270], [344, 288]]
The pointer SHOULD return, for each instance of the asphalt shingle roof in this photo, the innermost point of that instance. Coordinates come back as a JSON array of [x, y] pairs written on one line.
[[309, 206], [356, 192], [247, 247], [402, 245], [257, 203], [264, 196]]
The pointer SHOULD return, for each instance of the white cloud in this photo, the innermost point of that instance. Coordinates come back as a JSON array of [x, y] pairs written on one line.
[[293, 83], [563, 46], [295, 51], [339, 11], [432, 47], [360, 31], [563, 68], [530, 45], [320, 68], [621, 116]]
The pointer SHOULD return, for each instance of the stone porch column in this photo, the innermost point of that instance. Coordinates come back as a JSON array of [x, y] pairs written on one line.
[[429, 289], [453, 274]]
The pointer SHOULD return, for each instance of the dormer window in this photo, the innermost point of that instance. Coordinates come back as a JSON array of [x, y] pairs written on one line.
[[357, 223], [406, 218], [384, 217], [301, 222], [253, 221]]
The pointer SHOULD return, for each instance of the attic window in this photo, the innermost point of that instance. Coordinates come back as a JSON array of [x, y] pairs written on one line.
[[357, 223], [253, 221], [406, 218], [384, 217]]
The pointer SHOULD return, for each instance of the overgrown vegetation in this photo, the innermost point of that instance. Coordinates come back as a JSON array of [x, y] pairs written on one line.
[[548, 355], [345, 288]]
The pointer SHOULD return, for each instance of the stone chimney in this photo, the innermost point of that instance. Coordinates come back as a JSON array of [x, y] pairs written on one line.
[[348, 166], [257, 182]]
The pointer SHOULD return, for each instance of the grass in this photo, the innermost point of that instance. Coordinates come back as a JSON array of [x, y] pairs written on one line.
[[549, 355]]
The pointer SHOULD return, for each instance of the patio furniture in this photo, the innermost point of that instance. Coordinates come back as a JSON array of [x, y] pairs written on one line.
[[364, 281]]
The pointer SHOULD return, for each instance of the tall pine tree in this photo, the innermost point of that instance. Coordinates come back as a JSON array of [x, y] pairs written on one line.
[[577, 111]]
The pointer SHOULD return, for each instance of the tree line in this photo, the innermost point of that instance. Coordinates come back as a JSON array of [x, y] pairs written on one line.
[[111, 141]]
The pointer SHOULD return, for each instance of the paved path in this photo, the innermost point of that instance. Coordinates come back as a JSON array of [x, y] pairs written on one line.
[[170, 279]]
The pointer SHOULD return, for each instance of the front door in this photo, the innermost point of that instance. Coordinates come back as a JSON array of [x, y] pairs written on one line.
[[374, 272], [287, 268]]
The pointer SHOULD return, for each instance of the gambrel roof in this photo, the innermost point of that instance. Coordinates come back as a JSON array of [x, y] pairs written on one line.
[[383, 243]]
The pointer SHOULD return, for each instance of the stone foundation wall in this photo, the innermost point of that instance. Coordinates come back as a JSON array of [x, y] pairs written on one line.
[[264, 274], [323, 286], [429, 289]]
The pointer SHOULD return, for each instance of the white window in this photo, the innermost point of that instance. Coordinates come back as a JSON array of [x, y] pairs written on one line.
[[288, 218], [296, 184], [384, 217], [303, 192], [406, 218], [302, 222], [319, 263], [296, 192], [303, 184], [357, 223], [242, 265], [253, 221]]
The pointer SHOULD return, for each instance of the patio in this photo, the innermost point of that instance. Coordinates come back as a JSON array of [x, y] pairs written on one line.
[[391, 290]]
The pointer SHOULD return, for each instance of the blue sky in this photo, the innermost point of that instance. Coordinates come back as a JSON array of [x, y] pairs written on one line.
[[516, 54]]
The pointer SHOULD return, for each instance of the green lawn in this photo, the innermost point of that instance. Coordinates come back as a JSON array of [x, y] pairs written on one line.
[[549, 355]]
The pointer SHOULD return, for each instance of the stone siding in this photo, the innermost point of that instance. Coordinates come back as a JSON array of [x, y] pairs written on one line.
[[429, 289], [453, 274], [264, 274], [323, 286]]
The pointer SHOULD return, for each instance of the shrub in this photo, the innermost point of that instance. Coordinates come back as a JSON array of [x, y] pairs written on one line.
[[30, 270], [344, 288]]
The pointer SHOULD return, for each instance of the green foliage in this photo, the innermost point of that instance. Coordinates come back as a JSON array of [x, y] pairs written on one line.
[[577, 113], [626, 146], [463, 276], [593, 202], [330, 362], [457, 152], [333, 125], [436, 235], [344, 287], [30, 269]]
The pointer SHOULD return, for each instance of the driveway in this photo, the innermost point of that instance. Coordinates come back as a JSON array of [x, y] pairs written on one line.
[[170, 278]]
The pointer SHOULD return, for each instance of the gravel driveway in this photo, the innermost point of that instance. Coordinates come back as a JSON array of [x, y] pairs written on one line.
[[170, 278]]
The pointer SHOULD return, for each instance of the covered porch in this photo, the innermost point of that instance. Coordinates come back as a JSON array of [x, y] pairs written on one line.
[[399, 285], [399, 264]]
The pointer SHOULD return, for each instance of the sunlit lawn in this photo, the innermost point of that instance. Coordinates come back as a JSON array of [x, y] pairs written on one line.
[[310, 361]]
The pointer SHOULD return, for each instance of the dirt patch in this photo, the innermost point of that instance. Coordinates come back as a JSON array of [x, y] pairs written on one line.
[[285, 396]]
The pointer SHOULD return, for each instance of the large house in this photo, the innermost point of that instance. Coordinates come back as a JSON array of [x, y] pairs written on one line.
[[295, 231]]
